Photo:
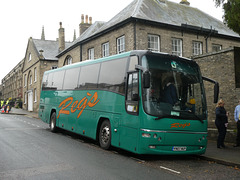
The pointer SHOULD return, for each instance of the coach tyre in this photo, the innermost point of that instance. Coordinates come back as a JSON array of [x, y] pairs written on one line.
[[105, 135], [53, 127]]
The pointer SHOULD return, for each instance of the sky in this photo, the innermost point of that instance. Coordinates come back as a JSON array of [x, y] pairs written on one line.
[[22, 19]]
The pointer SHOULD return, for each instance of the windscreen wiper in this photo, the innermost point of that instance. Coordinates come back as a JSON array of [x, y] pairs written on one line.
[[166, 116], [196, 116]]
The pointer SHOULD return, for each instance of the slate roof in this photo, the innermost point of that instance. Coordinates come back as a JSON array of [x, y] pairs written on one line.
[[93, 29], [171, 13], [162, 12], [50, 48]]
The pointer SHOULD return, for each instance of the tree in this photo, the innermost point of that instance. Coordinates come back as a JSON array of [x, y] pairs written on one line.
[[231, 13]]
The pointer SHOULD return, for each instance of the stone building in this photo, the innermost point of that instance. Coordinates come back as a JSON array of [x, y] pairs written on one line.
[[157, 25], [40, 56], [11, 86]]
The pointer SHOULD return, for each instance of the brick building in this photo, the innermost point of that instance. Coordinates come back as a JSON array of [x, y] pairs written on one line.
[[40, 56], [158, 25], [11, 86]]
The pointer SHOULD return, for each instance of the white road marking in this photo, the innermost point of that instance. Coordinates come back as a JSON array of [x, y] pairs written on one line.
[[162, 167]]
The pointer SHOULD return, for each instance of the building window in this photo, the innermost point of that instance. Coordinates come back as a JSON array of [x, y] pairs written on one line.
[[35, 95], [68, 60], [197, 48], [153, 43], [25, 98], [30, 78], [121, 45], [54, 67], [105, 49], [35, 74], [25, 80], [29, 57], [177, 47], [91, 53], [216, 47]]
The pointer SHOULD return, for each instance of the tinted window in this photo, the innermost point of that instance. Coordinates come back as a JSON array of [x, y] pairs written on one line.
[[44, 81], [71, 78], [112, 75], [47, 81], [132, 63], [89, 77], [58, 80]]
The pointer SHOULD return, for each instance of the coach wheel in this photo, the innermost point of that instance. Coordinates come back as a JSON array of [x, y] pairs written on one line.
[[53, 127], [105, 135]]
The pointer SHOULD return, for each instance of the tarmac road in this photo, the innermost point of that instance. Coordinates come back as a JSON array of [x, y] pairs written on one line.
[[28, 150]]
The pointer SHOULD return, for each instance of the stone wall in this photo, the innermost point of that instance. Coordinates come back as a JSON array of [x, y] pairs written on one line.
[[220, 66]]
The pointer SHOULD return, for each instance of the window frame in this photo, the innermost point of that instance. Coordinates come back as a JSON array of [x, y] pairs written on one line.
[[218, 47], [68, 60], [35, 95], [156, 41], [35, 74], [25, 80], [105, 49], [25, 97], [30, 80], [91, 54], [197, 50], [177, 47], [121, 44], [131, 105], [29, 57], [54, 67]]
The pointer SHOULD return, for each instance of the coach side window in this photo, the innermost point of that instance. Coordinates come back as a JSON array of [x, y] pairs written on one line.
[[132, 93], [112, 75], [71, 79], [58, 80], [132, 63], [47, 81], [44, 81], [88, 77]]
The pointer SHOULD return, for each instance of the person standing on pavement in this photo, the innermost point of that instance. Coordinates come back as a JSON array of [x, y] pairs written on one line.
[[221, 123], [237, 119]]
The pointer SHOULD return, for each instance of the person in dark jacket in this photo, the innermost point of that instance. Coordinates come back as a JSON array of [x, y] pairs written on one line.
[[170, 92], [221, 123]]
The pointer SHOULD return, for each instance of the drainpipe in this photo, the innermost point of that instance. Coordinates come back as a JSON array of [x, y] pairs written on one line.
[[206, 44], [206, 38], [134, 34], [80, 52]]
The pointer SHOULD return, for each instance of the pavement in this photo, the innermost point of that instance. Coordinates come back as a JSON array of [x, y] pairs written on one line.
[[229, 156]]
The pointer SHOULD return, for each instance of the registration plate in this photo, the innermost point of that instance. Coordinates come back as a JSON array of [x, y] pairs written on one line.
[[179, 148]]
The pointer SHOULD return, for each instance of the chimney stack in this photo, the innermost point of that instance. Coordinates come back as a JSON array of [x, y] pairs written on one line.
[[83, 26], [61, 38], [86, 19], [185, 2], [82, 18], [43, 34], [74, 35], [90, 20], [41, 54]]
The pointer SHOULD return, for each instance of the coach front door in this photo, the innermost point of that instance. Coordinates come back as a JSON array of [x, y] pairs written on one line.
[[30, 100]]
